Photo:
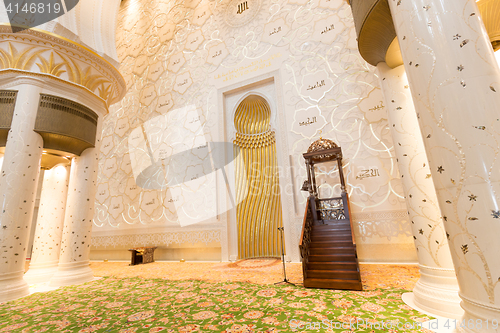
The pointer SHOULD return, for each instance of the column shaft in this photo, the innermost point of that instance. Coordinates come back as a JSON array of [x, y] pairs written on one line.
[[455, 82], [18, 183], [437, 289], [75, 246], [49, 225]]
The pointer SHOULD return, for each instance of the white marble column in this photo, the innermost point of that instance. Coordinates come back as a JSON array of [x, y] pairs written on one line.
[[437, 289], [75, 246], [49, 225], [18, 183], [455, 84]]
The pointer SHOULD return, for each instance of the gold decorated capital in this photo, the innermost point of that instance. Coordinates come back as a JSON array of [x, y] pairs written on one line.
[[37, 52], [490, 13]]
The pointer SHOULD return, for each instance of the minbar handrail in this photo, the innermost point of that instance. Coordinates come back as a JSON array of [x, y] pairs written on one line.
[[305, 237], [304, 221]]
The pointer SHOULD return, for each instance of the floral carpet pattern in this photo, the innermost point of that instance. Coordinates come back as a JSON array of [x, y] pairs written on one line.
[[135, 304], [254, 271]]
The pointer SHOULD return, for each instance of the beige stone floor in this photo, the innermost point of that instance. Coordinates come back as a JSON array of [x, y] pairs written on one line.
[[261, 271]]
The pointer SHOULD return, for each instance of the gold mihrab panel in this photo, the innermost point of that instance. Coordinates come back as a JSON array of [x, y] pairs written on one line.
[[257, 184]]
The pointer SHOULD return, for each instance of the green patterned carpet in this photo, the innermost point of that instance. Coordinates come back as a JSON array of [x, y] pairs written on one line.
[[138, 305]]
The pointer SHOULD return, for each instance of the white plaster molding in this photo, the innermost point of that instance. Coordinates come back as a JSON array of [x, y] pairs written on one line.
[[478, 312], [158, 239], [386, 224]]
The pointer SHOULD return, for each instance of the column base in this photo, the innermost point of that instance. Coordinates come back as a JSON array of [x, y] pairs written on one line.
[[40, 273], [478, 317], [13, 286], [72, 273], [436, 293]]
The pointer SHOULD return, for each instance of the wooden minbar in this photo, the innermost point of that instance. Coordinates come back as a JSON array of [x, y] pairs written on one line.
[[142, 255], [327, 244]]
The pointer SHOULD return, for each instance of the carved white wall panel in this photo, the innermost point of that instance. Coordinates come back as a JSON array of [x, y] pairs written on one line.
[[230, 54], [93, 22]]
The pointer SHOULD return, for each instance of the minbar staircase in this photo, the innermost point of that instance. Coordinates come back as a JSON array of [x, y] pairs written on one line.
[[329, 258]]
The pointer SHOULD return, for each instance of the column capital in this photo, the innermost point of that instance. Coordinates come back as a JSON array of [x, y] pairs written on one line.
[[39, 53]]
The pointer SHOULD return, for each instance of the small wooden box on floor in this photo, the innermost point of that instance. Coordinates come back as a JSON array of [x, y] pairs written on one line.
[[142, 255]]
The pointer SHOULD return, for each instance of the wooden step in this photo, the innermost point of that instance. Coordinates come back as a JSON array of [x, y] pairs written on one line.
[[332, 238], [333, 284], [331, 250], [336, 222], [333, 232], [338, 275], [327, 227], [332, 261], [332, 257], [325, 224], [339, 265], [336, 243]]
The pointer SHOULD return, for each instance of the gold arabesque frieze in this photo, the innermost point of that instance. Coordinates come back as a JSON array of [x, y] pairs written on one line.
[[38, 52]]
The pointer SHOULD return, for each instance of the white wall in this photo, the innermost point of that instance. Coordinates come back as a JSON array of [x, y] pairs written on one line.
[[178, 54]]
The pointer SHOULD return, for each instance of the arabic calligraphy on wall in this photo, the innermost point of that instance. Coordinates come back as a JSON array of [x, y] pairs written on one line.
[[116, 206], [307, 122], [242, 7], [373, 106], [176, 61], [315, 85], [165, 103], [368, 176], [140, 65], [238, 13], [368, 173], [155, 70], [194, 40], [102, 192], [201, 14], [122, 126], [217, 53], [183, 82], [148, 94], [166, 32], [274, 31], [328, 29]]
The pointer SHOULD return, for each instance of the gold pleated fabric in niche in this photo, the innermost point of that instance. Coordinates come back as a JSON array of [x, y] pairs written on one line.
[[258, 213]]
